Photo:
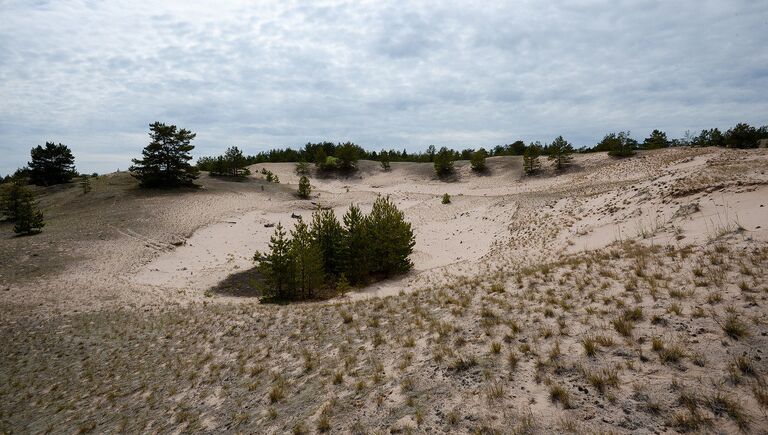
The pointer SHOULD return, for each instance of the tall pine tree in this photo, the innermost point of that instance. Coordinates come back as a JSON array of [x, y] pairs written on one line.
[[277, 267], [531, 159], [12, 196], [304, 187], [560, 152], [329, 235], [307, 261], [391, 239], [165, 161], [357, 242], [52, 164], [29, 219]]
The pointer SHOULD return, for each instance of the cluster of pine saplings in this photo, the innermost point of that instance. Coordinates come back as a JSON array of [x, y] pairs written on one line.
[[327, 257]]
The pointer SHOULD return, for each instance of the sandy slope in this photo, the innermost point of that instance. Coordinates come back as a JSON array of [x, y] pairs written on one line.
[[534, 264]]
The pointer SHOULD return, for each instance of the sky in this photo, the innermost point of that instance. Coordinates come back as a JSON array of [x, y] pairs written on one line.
[[384, 74]]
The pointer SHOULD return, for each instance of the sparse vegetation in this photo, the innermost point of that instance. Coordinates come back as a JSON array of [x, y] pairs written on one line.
[[619, 338]]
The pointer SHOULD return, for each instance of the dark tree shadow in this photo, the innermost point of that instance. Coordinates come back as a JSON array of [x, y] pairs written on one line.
[[242, 284]]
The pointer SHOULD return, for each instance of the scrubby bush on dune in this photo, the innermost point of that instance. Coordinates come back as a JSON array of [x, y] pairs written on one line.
[[269, 176], [302, 168]]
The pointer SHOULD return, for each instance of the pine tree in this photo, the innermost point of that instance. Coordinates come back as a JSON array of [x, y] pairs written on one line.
[[85, 183], [329, 235], [52, 164], [384, 161], [391, 238], [443, 162], [477, 161], [357, 243], [307, 260], [342, 285], [657, 139], [304, 187], [320, 158], [348, 154], [277, 267], [531, 159], [12, 196], [28, 218], [560, 151], [165, 161], [234, 162], [302, 168], [617, 144]]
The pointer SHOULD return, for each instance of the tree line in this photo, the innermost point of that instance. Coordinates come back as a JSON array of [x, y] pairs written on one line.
[[331, 255], [165, 161], [742, 135], [168, 154]]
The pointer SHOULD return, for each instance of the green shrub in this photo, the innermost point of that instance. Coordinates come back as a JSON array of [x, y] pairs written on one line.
[[28, 218], [477, 161], [304, 187], [443, 162], [560, 152], [391, 238], [12, 196], [531, 158]]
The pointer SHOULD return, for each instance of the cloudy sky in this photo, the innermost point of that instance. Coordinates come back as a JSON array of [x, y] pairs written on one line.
[[258, 74]]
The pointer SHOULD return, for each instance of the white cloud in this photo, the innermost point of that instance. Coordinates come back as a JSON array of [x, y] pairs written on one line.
[[258, 74]]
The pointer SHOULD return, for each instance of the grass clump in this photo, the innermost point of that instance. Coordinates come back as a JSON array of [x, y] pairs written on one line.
[[734, 328], [558, 394]]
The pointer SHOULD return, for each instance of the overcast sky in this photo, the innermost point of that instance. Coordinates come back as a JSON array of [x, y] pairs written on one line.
[[257, 74]]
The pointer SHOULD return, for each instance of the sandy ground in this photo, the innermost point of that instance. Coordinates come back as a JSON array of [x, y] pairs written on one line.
[[114, 295]]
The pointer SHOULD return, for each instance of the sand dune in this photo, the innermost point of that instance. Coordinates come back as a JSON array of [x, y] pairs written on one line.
[[622, 296]]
